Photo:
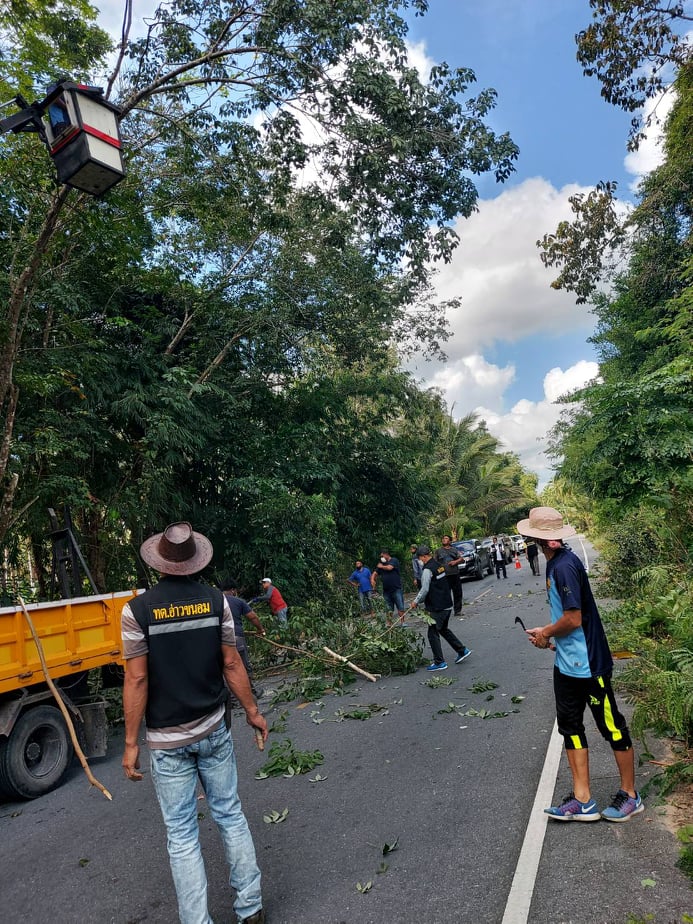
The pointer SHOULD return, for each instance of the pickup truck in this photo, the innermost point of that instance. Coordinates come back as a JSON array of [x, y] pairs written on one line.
[[76, 635]]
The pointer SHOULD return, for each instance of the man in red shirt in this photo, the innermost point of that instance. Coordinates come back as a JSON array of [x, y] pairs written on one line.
[[276, 602]]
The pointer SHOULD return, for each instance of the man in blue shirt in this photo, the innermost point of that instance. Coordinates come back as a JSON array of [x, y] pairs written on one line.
[[360, 578], [582, 673]]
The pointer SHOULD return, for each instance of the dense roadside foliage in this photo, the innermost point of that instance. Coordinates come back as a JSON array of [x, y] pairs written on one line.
[[627, 443], [219, 338]]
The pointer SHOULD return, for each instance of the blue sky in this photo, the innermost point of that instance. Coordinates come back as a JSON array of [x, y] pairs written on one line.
[[517, 344]]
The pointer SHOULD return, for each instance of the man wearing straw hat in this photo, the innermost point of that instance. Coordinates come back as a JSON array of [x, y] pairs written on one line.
[[180, 646], [581, 674]]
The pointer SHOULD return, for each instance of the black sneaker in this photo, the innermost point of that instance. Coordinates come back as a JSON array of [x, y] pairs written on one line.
[[257, 918]]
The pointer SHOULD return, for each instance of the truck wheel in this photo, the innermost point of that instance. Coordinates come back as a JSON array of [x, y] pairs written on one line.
[[37, 753]]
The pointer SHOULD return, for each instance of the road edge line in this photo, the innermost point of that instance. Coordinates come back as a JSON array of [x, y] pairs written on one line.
[[522, 888]]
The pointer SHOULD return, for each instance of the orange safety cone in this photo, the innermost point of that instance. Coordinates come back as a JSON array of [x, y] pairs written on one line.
[[517, 562]]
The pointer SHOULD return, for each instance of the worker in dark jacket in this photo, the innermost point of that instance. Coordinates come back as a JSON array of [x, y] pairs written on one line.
[[436, 596], [179, 643]]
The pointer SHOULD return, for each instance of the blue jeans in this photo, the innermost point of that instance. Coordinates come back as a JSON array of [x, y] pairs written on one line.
[[394, 599], [366, 601], [175, 772]]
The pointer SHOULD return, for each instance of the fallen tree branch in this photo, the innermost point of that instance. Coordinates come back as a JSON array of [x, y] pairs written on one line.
[[316, 657], [354, 667], [63, 708]]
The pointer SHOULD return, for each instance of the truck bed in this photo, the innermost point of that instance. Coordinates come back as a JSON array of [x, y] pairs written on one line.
[[75, 634]]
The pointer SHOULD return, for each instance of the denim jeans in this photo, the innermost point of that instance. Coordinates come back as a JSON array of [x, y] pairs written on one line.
[[394, 599], [366, 601], [175, 773]]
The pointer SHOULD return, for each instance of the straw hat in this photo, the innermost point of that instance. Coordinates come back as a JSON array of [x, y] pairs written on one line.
[[545, 523], [178, 550]]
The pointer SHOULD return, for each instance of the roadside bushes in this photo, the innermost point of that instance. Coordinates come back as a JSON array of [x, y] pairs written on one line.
[[658, 628]]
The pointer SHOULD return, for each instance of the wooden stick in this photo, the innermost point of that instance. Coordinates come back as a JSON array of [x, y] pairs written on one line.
[[309, 654], [63, 708], [354, 667]]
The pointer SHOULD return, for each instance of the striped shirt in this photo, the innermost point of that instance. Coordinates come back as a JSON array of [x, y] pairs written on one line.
[[177, 736]]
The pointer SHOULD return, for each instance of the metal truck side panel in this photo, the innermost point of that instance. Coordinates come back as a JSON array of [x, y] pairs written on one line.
[[76, 635]]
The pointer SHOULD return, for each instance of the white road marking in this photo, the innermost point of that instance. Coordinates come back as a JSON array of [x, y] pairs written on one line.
[[584, 554], [522, 888]]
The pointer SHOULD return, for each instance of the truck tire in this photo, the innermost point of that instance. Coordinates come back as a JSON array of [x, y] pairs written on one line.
[[36, 755]]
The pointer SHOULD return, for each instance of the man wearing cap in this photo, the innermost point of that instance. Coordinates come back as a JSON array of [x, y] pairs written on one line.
[[271, 595], [581, 674], [180, 646], [436, 596]]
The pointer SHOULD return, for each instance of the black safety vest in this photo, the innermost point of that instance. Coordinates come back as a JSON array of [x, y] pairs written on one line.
[[181, 620], [439, 596]]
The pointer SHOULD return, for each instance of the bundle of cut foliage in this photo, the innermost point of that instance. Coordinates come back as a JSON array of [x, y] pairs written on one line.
[[334, 622]]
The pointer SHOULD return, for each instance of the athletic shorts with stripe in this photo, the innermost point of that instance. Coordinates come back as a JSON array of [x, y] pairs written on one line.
[[572, 695]]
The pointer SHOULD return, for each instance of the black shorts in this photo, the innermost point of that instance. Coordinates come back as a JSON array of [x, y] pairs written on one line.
[[572, 695]]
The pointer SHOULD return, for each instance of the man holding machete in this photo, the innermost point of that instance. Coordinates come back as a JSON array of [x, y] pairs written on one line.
[[179, 642], [581, 674]]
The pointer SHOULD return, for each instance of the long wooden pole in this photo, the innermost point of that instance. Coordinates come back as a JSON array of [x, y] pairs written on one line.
[[63, 708]]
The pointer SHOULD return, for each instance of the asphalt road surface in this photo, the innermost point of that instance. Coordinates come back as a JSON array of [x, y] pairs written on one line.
[[454, 791]]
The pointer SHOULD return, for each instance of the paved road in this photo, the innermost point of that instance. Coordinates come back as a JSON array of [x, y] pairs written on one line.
[[455, 791]]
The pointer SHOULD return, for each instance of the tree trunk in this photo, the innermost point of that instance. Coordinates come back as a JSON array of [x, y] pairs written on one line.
[[18, 307]]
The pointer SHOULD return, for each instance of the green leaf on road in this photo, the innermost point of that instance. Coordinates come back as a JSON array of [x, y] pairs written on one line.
[[274, 817]]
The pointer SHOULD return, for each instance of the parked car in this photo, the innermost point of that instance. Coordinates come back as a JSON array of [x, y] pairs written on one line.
[[518, 544], [477, 559]]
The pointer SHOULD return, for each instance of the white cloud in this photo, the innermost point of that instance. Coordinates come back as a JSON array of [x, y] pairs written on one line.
[[525, 427], [650, 153], [505, 289], [506, 298], [472, 381], [418, 59], [558, 383]]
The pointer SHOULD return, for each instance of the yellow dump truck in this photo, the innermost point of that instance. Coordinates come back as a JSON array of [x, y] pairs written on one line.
[[76, 636]]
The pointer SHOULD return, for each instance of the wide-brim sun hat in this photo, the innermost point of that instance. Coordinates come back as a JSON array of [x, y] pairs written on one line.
[[545, 523], [177, 550]]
